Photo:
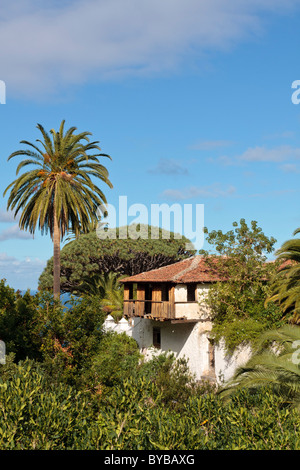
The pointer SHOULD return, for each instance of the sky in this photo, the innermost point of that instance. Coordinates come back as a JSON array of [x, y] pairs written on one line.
[[192, 99]]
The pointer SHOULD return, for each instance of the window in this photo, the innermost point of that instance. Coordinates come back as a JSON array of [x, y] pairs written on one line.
[[148, 292], [191, 292], [148, 298], [165, 293], [130, 291], [156, 338]]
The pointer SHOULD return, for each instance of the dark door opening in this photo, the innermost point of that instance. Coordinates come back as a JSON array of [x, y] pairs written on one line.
[[157, 338], [148, 298]]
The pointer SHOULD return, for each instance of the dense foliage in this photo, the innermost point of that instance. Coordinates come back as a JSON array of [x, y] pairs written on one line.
[[238, 301], [285, 286], [108, 288], [39, 327], [78, 387], [20, 323], [34, 414], [87, 256], [275, 364], [69, 384]]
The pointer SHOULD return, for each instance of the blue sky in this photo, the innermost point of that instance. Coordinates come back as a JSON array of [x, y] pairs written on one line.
[[191, 98]]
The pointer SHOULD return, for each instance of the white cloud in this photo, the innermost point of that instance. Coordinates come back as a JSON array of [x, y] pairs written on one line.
[[21, 274], [168, 166], [289, 168], [7, 216], [210, 144], [260, 154], [281, 135], [14, 232], [223, 160], [212, 191], [274, 193], [263, 154], [46, 45]]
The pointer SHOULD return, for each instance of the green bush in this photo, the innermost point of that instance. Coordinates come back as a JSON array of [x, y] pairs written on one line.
[[172, 377], [19, 323], [117, 358], [34, 414], [133, 420]]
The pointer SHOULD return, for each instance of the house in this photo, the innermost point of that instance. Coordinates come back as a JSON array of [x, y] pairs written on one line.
[[166, 311]]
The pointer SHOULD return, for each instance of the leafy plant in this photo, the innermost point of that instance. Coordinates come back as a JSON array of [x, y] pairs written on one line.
[[172, 377], [276, 365], [34, 415], [285, 287], [237, 299], [108, 289], [116, 359], [20, 323], [71, 337]]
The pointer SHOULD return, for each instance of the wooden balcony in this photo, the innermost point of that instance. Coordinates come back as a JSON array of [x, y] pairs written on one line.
[[158, 310], [157, 302]]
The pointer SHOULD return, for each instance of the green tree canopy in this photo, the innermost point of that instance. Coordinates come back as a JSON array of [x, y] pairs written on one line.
[[89, 255], [238, 304], [20, 323]]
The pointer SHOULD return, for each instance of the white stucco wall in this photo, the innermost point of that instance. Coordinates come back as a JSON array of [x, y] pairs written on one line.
[[191, 310], [180, 293], [185, 340], [189, 340], [202, 291], [226, 364]]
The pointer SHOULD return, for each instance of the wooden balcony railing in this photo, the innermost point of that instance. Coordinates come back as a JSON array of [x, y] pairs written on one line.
[[157, 309]]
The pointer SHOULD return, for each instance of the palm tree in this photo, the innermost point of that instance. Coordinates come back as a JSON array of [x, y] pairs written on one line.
[[90, 227], [275, 365], [109, 289], [112, 301], [59, 194], [285, 286]]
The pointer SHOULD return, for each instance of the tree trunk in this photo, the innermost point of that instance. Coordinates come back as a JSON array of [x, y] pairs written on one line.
[[56, 258]]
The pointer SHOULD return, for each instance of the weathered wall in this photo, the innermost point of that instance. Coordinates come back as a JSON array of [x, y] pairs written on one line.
[[185, 340], [226, 364], [188, 340], [191, 310]]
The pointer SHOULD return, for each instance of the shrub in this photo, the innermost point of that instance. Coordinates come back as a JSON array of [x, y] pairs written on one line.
[[172, 377], [117, 358], [36, 416]]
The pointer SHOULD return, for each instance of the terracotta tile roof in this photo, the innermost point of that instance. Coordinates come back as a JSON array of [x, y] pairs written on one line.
[[286, 264], [194, 269]]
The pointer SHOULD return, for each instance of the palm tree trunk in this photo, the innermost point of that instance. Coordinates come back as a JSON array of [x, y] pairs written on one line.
[[56, 258]]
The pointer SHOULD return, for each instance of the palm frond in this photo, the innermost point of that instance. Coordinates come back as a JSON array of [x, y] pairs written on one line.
[[275, 365], [61, 187]]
